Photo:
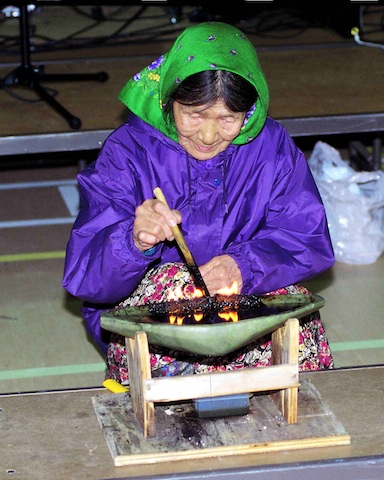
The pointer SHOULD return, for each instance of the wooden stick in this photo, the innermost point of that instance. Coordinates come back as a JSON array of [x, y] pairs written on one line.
[[176, 231], [184, 247]]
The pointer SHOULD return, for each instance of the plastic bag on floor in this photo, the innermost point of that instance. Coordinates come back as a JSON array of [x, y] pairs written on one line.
[[354, 204]]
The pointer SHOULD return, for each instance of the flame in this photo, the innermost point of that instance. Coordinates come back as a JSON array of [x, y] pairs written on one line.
[[232, 290], [175, 319], [197, 293], [177, 294], [229, 316]]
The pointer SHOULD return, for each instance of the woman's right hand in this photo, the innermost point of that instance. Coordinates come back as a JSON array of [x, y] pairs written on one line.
[[153, 222]]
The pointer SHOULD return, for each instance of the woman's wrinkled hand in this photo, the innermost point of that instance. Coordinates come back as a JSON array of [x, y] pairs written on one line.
[[221, 272], [152, 225]]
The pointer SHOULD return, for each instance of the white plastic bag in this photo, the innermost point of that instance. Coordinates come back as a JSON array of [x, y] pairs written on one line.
[[354, 204]]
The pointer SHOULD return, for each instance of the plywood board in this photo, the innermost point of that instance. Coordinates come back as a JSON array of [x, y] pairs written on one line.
[[182, 435]]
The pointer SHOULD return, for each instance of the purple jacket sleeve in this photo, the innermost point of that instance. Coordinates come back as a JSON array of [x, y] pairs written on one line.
[[292, 243], [102, 264]]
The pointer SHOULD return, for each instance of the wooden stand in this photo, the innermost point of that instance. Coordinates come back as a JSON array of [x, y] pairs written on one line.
[[282, 377]]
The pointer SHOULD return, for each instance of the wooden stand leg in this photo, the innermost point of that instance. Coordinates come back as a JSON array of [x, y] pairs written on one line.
[[283, 377], [139, 372], [285, 349]]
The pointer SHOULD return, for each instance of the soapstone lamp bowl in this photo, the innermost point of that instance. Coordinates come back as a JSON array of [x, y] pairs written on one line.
[[210, 336]]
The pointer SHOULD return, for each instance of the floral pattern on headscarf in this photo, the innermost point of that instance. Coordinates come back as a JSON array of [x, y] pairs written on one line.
[[206, 46]]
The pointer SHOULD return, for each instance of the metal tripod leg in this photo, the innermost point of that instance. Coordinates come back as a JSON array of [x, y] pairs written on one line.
[[31, 77]]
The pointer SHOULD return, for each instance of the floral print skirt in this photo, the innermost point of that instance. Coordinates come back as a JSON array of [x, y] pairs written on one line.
[[314, 350]]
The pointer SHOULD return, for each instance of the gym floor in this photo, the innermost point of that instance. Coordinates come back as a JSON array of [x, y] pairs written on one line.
[[311, 69]]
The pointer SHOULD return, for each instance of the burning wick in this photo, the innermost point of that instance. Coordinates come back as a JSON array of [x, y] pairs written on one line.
[[177, 294], [229, 316], [233, 290]]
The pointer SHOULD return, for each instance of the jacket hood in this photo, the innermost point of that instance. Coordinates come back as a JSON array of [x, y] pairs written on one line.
[[206, 46]]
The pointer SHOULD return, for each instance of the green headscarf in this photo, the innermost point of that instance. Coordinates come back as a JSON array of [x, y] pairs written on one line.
[[206, 46]]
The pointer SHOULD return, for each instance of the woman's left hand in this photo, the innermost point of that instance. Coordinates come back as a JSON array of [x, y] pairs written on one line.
[[221, 272]]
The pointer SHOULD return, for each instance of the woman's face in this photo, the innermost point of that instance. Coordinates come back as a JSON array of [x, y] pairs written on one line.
[[205, 131]]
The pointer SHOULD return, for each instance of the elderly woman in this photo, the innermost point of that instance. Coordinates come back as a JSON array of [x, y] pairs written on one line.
[[237, 185]]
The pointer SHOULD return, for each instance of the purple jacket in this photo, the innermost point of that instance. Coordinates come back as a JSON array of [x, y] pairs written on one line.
[[257, 203]]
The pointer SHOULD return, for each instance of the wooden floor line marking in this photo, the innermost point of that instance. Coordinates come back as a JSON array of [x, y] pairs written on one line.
[[357, 345], [22, 257], [52, 371]]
